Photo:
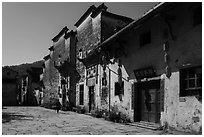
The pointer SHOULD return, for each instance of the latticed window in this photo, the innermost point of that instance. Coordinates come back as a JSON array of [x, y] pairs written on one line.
[[191, 81]]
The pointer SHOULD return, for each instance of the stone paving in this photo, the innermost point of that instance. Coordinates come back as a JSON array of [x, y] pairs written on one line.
[[42, 121]]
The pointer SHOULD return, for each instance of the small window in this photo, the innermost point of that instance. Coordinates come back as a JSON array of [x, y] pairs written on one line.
[[81, 94], [145, 38], [104, 82], [132, 97], [119, 89], [80, 53], [197, 16], [191, 82]]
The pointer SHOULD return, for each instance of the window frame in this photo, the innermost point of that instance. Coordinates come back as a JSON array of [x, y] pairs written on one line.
[[185, 88], [119, 91], [145, 38]]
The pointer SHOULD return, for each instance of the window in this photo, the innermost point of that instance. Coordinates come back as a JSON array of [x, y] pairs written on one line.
[[80, 54], [132, 96], [104, 92], [81, 94], [191, 82], [119, 89], [104, 82], [197, 16], [145, 38]]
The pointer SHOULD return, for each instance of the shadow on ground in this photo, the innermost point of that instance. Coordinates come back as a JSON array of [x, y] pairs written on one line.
[[7, 117]]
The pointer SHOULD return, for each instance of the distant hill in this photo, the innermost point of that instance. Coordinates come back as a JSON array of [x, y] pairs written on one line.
[[22, 68]]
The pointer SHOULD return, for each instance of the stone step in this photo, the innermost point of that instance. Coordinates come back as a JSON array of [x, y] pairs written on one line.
[[147, 125]]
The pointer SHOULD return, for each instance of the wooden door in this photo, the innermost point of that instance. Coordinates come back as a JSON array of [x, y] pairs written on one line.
[[147, 101], [150, 102]]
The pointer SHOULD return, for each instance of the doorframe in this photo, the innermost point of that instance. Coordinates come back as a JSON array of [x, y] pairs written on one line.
[[90, 96], [138, 100]]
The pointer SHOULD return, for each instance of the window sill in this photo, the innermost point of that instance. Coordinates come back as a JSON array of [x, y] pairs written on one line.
[[182, 99]]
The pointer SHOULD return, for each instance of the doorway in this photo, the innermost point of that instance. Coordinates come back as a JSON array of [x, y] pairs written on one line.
[[91, 98], [147, 101]]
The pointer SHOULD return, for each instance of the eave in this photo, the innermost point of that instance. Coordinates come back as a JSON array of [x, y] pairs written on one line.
[[51, 48], [47, 57], [69, 34], [85, 15], [61, 33], [116, 16]]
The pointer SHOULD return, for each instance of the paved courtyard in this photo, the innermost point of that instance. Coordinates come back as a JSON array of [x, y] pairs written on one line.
[[39, 120]]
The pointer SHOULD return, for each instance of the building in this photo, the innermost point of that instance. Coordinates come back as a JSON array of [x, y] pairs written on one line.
[[59, 74], [31, 86], [151, 70], [9, 87], [148, 70], [95, 26]]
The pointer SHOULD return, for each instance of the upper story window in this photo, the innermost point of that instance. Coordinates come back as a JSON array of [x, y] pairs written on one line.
[[197, 16], [119, 89], [145, 38], [191, 82]]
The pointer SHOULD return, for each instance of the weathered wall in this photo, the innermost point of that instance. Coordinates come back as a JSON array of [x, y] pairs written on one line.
[[182, 113], [73, 75], [51, 80], [123, 103], [63, 49], [110, 25], [51, 74], [181, 50], [185, 48], [88, 37]]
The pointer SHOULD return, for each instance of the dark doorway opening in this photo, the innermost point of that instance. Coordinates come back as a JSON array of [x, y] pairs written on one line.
[[147, 101], [91, 98]]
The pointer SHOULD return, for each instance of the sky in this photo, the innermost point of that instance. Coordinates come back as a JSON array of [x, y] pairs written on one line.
[[27, 28]]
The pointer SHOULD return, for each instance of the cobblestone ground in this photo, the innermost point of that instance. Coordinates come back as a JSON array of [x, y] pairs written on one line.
[[38, 121]]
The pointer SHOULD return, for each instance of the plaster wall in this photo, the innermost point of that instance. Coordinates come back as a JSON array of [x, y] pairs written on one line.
[[123, 104], [185, 49], [182, 113]]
